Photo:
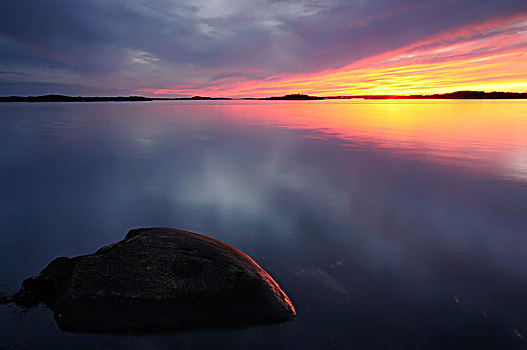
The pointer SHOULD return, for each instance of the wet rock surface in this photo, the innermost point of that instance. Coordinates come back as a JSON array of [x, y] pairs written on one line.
[[157, 280]]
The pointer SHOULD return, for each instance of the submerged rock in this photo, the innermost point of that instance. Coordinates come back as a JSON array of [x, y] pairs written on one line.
[[154, 280]]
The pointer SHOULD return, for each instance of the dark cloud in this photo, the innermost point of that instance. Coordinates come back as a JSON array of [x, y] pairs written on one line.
[[135, 44]]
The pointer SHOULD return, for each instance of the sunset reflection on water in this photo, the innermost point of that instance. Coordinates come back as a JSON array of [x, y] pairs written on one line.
[[476, 135]]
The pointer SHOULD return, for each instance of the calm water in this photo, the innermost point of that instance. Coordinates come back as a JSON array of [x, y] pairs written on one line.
[[390, 224]]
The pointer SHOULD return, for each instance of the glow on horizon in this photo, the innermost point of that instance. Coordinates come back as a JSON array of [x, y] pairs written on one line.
[[490, 57]]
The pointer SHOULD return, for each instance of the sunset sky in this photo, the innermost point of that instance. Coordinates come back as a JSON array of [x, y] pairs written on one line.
[[238, 48]]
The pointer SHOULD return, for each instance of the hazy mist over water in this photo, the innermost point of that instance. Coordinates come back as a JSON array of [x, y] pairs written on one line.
[[390, 224]]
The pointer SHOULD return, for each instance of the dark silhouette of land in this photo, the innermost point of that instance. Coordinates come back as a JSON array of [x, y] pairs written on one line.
[[63, 98], [194, 98], [458, 95], [451, 95], [481, 95], [293, 97]]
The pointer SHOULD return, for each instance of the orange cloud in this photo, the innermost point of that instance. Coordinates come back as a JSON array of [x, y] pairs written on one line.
[[489, 56]]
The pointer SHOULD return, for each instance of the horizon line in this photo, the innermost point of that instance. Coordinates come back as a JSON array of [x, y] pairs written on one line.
[[458, 94]]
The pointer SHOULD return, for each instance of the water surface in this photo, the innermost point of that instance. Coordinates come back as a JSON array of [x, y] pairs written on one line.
[[390, 224]]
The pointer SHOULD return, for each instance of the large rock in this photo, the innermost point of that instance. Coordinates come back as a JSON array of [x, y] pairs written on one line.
[[157, 279]]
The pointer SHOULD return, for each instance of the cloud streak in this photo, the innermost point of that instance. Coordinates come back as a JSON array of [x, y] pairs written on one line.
[[240, 48]]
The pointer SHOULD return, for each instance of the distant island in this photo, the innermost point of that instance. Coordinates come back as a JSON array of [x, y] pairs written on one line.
[[293, 97], [63, 98], [458, 95], [193, 98]]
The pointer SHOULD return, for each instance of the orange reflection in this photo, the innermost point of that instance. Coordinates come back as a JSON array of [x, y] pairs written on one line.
[[473, 134]]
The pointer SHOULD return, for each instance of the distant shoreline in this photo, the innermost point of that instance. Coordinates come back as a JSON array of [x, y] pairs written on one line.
[[64, 98], [458, 95]]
